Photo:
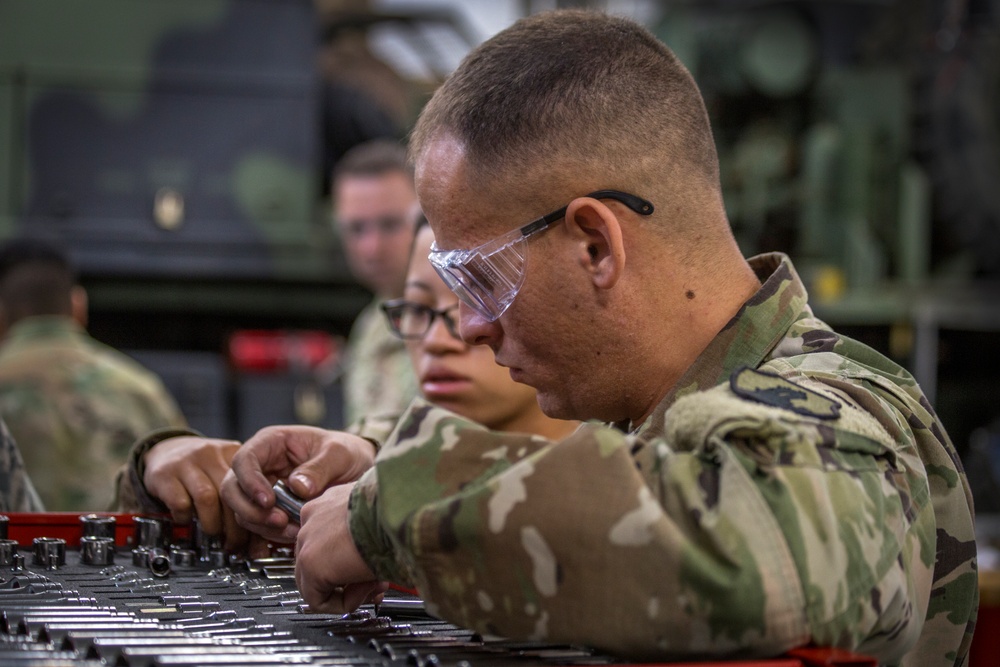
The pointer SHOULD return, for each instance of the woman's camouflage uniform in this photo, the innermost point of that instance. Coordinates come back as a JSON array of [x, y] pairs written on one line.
[[794, 487]]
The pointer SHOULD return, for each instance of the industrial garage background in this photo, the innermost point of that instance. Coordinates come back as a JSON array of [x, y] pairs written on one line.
[[181, 148]]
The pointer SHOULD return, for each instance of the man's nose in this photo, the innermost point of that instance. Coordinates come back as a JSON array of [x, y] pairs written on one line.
[[476, 329]]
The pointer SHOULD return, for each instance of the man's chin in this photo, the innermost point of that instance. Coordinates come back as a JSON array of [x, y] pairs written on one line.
[[553, 406]]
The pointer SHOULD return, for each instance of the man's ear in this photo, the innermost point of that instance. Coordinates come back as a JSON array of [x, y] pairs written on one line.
[[78, 305], [598, 235]]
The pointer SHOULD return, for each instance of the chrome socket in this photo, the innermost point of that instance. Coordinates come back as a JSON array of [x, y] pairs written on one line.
[[152, 533], [8, 549], [287, 501], [97, 550], [50, 552], [96, 525]]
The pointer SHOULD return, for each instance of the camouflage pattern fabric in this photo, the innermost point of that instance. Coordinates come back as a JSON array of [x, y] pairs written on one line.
[[794, 487], [17, 494], [379, 378], [75, 406]]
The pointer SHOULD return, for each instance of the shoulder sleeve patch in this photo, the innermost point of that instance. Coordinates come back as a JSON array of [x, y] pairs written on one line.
[[774, 390]]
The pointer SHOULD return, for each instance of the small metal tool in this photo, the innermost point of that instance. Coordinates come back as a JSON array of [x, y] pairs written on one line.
[[8, 549], [95, 525], [50, 552], [290, 503], [97, 550]]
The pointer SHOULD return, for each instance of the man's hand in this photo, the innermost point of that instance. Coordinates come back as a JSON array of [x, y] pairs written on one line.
[[310, 459], [330, 573], [185, 474]]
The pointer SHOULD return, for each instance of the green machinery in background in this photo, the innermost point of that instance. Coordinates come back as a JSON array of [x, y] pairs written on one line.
[[173, 146]]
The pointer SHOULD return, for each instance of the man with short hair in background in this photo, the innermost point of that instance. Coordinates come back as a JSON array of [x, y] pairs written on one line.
[[73, 404], [375, 208]]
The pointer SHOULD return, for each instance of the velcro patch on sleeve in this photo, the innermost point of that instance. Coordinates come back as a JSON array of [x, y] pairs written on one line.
[[774, 390]]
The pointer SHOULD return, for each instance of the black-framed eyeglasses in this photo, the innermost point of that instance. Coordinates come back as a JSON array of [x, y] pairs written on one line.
[[411, 321]]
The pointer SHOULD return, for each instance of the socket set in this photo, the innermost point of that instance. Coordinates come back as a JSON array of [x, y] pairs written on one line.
[[90, 594]]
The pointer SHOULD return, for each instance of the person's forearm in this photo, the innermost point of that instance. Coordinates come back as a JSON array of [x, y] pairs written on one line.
[[647, 551]]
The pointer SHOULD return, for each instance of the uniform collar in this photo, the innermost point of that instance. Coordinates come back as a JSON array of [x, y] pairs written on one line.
[[748, 337], [42, 326]]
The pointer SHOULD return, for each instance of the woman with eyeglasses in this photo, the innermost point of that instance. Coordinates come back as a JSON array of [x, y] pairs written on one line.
[[453, 374], [182, 471]]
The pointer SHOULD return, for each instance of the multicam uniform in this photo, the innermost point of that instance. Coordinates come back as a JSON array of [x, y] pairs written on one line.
[[379, 379], [75, 406], [16, 491], [794, 487]]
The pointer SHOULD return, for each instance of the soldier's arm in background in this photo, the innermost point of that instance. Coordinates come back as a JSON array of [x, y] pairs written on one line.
[[131, 494], [179, 471]]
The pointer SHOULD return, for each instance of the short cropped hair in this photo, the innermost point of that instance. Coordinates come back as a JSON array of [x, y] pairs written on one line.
[[572, 89], [36, 278], [373, 158]]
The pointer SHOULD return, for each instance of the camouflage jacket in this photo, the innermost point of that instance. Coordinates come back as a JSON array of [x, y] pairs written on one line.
[[75, 406], [379, 378], [794, 487], [17, 494]]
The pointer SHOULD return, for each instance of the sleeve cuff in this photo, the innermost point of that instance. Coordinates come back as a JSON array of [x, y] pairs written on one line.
[[371, 542]]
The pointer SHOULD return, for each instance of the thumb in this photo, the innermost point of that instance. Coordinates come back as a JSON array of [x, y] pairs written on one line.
[[310, 479]]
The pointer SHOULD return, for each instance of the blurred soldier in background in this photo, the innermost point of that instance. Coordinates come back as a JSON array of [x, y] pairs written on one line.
[[74, 405], [375, 207], [17, 494]]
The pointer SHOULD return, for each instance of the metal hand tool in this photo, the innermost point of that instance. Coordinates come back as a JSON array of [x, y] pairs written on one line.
[[286, 500]]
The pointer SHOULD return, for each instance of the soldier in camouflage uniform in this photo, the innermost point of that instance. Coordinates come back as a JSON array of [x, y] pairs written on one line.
[[74, 405], [17, 494], [760, 482], [374, 211]]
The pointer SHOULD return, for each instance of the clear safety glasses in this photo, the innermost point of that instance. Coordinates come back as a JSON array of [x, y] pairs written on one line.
[[488, 277]]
